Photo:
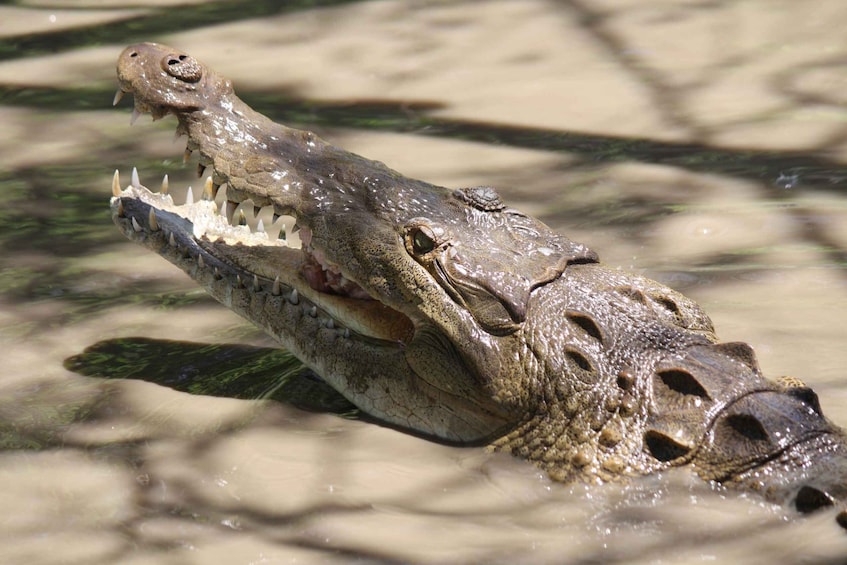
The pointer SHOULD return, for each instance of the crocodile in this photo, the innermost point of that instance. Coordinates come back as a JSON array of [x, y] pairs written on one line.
[[449, 314]]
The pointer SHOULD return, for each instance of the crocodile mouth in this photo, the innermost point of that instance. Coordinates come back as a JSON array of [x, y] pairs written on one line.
[[223, 243]]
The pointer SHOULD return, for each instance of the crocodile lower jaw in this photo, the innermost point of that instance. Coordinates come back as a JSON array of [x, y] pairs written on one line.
[[198, 237]]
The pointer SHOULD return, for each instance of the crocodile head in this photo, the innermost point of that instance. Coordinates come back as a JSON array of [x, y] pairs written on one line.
[[449, 314], [405, 296]]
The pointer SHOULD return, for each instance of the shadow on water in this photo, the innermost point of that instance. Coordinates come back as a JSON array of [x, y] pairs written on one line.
[[51, 219], [164, 20], [227, 370], [772, 167]]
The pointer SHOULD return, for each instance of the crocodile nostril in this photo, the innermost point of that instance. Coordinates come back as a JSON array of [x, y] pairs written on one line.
[[134, 54], [810, 499], [182, 67]]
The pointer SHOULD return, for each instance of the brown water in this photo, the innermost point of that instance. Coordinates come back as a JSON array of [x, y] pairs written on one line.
[[701, 143]]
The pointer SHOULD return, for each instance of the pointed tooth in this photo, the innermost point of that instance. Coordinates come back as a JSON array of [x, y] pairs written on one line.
[[275, 289], [116, 183], [242, 218], [208, 191], [346, 332], [200, 262], [238, 282], [151, 220], [313, 311], [135, 182], [118, 97], [186, 156], [189, 196], [165, 185], [330, 323], [217, 274], [256, 286], [135, 225], [230, 210], [200, 169], [172, 240], [294, 297], [260, 226], [222, 209], [135, 116]]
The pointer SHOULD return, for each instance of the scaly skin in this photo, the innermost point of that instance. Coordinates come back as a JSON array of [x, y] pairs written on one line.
[[452, 315]]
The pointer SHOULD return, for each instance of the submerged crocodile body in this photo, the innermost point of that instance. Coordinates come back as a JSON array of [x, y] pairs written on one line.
[[447, 313]]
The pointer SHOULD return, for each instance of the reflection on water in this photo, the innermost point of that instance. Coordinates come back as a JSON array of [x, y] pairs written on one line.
[[229, 370], [143, 423]]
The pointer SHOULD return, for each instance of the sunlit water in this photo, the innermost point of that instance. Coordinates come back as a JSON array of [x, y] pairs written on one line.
[[143, 423]]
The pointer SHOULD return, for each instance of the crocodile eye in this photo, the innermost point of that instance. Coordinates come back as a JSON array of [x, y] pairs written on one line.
[[423, 242]]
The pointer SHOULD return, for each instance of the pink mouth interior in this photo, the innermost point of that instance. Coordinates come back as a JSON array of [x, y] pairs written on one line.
[[325, 276]]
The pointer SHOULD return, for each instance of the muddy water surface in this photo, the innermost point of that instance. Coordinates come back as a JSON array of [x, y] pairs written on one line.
[[701, 144]]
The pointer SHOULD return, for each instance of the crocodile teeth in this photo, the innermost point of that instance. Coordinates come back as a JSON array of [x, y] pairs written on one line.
[[208, 189], [200, 262], [136, 183], [116, 183], [230, 210], [135, 115], [165, 185], [151, 220], [275, 289], [260, 226], [256, 286], [200, 169], [186, 156], [172, 240], [294, 298], [118, 97], [189, 197], [135, 225]]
